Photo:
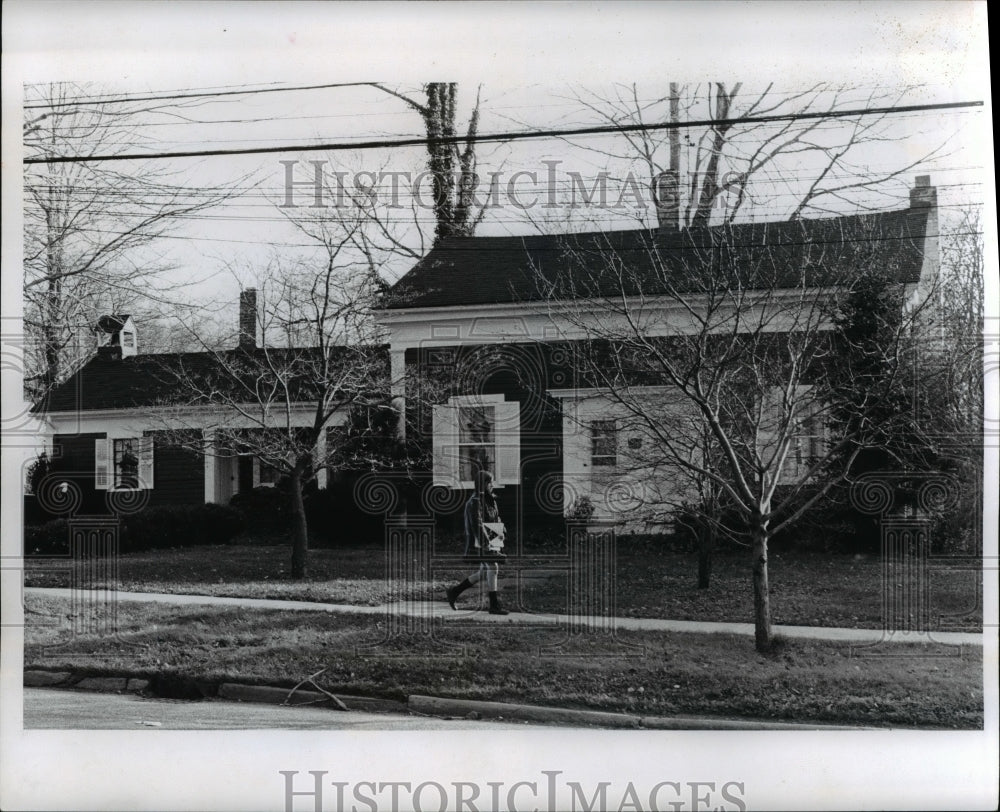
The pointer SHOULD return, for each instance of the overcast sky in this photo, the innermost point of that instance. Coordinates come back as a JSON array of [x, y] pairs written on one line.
[[535, 69]]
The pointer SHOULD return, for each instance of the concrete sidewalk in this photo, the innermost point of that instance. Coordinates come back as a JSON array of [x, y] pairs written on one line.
[[441, 610]]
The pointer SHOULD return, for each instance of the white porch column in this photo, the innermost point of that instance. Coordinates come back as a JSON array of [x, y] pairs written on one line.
[[397, 370], [322, 473], [208, 440]]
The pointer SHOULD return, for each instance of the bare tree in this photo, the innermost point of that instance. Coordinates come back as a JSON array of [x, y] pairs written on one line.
[[717, 355], [732, 170], [89, 228], [277, 401], [960, 317], [452, 167]]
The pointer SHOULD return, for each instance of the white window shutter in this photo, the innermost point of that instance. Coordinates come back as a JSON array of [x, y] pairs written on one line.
[[508, 439], [102, 464], [146, 463], [445, 446]]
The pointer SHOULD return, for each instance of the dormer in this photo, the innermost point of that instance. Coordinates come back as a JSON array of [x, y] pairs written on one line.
[[116, 335]]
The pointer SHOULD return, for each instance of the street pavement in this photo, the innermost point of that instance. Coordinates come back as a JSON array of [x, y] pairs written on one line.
[[439, 609], [55, 709]]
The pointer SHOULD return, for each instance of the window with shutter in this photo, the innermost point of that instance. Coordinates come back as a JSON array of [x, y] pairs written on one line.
[[146, 463], [477, 449], [126, 463], [123, 463], [472, 434]]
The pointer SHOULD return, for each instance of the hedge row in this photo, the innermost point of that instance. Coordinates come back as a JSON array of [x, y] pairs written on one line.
[[332, 514], [149, 529]]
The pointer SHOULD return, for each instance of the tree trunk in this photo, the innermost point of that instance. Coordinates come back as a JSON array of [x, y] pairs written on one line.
[[300, 532], [761, 594]]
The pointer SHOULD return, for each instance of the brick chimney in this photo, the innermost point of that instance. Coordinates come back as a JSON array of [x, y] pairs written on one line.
[[922, 193], [666, 196], [248, 319]]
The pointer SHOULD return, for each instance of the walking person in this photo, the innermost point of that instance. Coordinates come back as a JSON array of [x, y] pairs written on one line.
[[480, 510]]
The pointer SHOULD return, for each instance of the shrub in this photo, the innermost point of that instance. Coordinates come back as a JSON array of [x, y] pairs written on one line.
[[219, 524], [51, 538], [264, 508], [179, 526], [149, 529], [335, 519], [34, 513], [37, 471]]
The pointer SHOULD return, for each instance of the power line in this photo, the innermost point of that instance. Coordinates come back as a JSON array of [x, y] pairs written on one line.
[[176, 143], [507, 136], [493, 108], [126, 99]]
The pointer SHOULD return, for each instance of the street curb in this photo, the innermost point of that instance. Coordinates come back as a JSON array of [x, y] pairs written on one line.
[[276, 696], [233, 691], [46, 679], [708, 723], [441, 706], [428, 705], [40, 678]]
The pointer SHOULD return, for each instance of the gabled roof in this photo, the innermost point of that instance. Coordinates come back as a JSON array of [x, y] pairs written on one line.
[[108, 381], [496, 270]]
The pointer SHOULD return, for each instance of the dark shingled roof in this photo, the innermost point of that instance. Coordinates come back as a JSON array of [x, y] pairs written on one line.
[[494, 270], [108, 381]]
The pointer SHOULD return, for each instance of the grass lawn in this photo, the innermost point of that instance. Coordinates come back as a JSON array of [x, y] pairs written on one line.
[[809, 589], [666, 674]]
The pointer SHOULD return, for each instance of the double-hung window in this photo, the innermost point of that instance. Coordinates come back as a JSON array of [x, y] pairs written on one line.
[[604, 443], [473, 433], [476, 441], [809, 444], [123, 463], [126, 463]]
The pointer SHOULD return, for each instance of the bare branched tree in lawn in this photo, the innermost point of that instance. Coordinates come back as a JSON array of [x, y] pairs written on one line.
[[716, 349], [319, 363], [89, 227]]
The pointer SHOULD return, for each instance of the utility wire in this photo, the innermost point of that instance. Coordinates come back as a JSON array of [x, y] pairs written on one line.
[[508, 136], [126, 99]]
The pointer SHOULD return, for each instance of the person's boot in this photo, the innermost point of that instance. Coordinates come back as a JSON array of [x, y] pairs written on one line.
[[454, 591], [495, 607]]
